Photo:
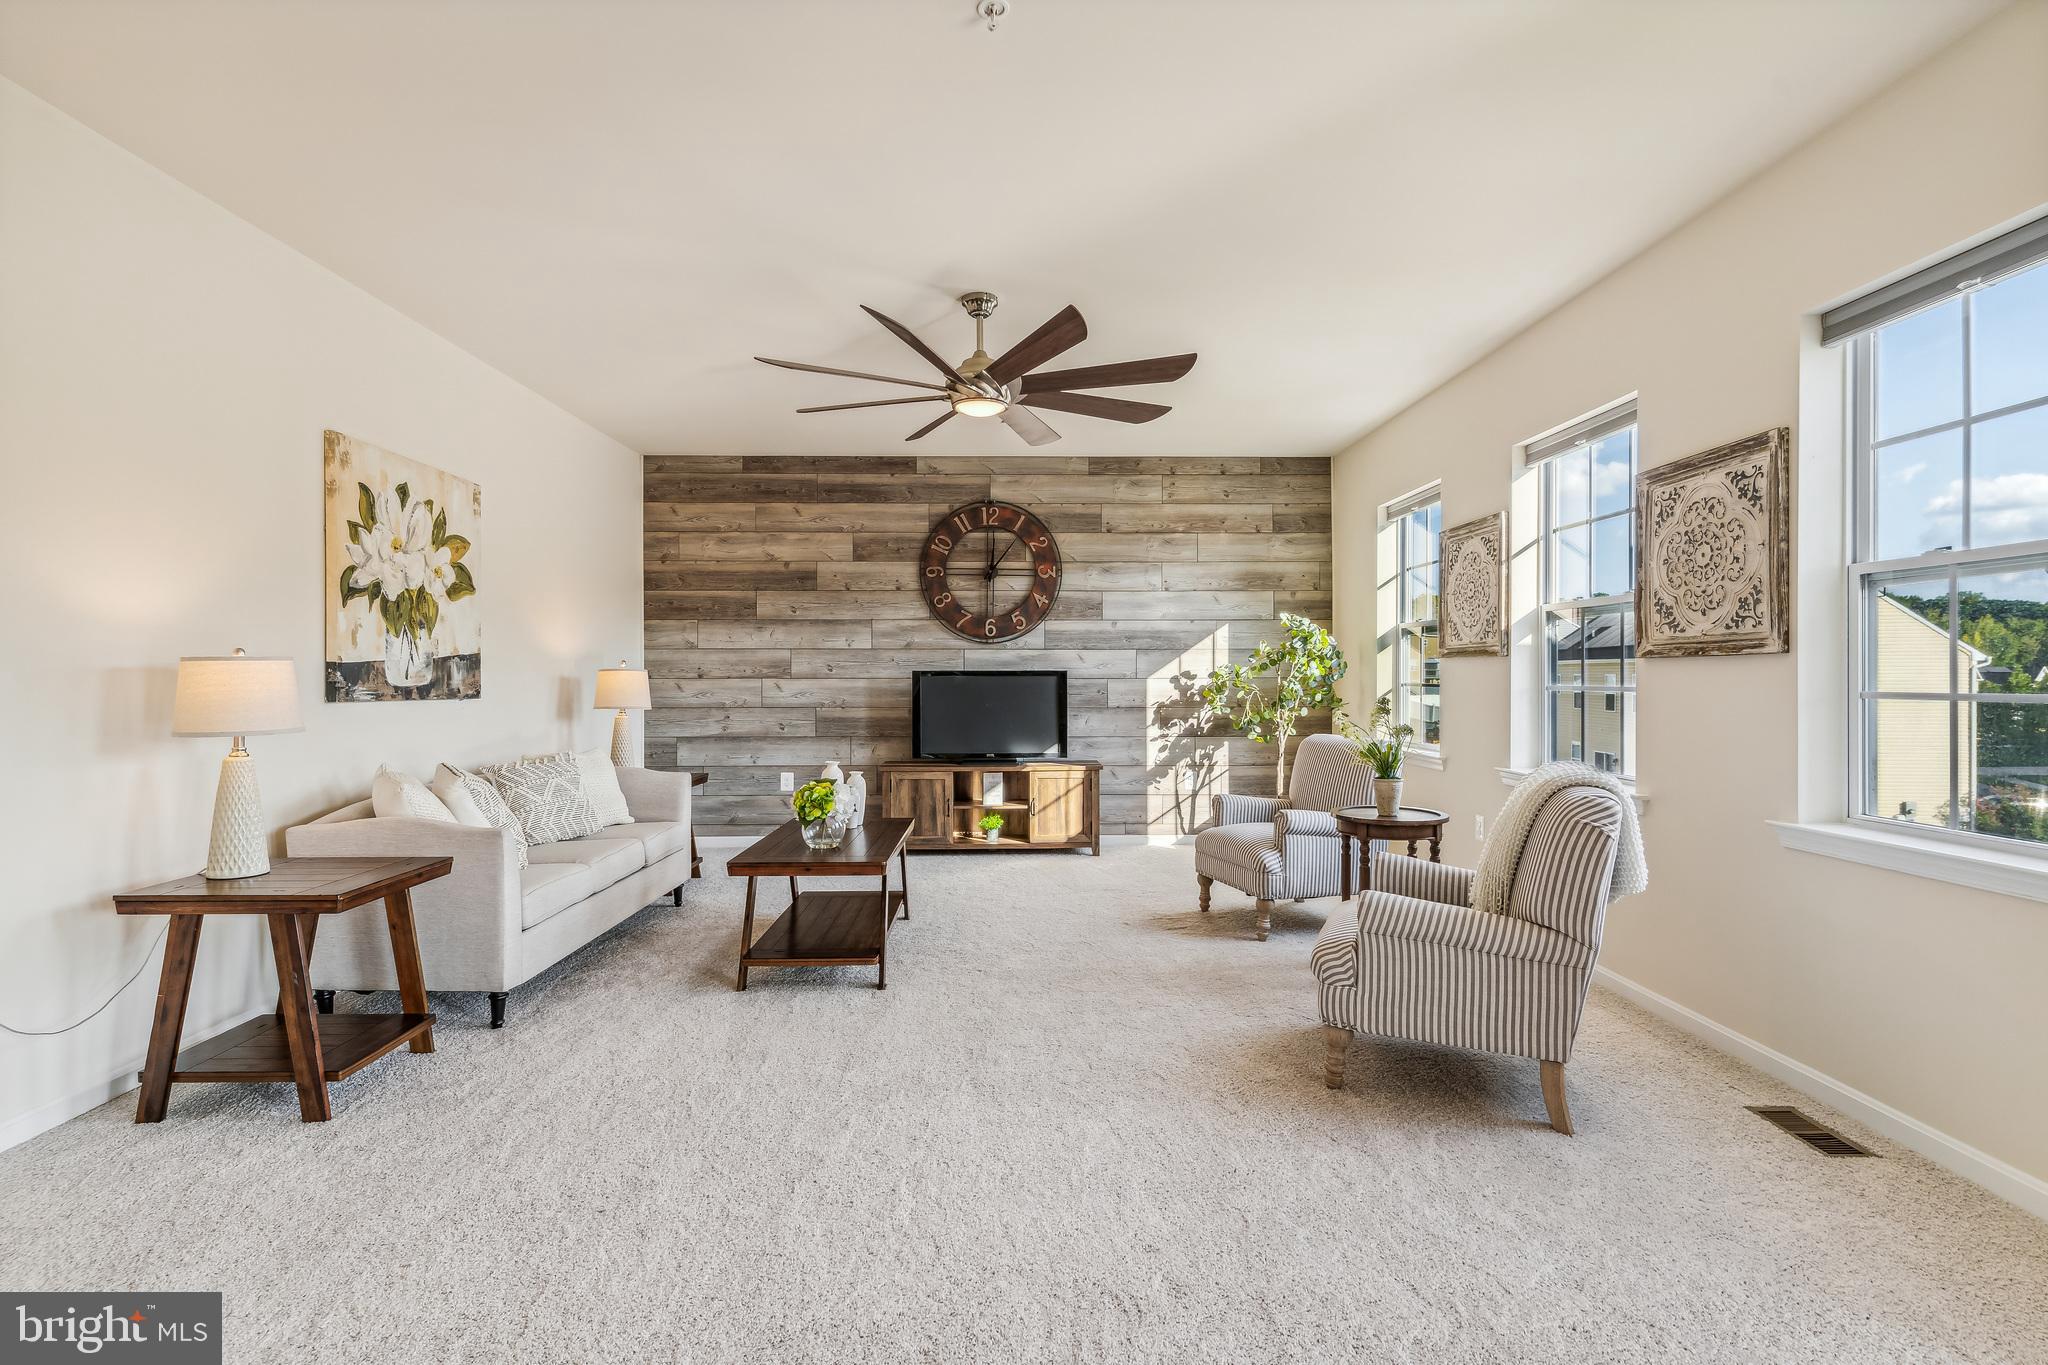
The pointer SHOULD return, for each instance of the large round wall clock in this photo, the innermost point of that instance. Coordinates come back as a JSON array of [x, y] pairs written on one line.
[[990, 571]]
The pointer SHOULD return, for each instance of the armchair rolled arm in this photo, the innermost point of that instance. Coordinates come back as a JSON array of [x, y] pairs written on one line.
[[1232, 809], [1422, 879], [653, 796], [1296, 821], [1382, 914]]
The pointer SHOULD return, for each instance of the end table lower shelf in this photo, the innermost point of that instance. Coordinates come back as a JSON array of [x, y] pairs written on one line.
[[826, 929], [260, 1050]]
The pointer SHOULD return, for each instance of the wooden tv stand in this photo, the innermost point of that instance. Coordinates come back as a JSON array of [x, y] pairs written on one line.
[[1056, 803]]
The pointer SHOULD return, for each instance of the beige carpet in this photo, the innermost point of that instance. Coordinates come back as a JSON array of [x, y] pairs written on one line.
[[1083, 1123]]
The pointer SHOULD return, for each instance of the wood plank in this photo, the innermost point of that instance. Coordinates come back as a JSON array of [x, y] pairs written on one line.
[[720, 663], [1316, 606], [1252, 488], [1065, 518], [1002, 464], [1230, 575], [951, 489], [1078, 663], [1141, 635], [1094, 722], [840, 606], [1119, 577], [1030, 489], [685, 722], [662, 605], [862, 693], [760, 751], [906, 518], [1088, 692], [677, 576], [1295, 465], [1158, 464], [1188, 516], [664, 691], [1220, 546], [872, 577], [786, 634], [697, 516], [669, 634], [799, 546], [897, 664], [860, 722], [819, 464], [898, 548], [1129, 549], [929, 634], [872, 752], [1214, 606], [1296, 520], [707, 486], [689, 464]]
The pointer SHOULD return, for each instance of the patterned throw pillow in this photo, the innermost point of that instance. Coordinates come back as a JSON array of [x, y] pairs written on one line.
[[601, 785], [546, 794], [473, 801]]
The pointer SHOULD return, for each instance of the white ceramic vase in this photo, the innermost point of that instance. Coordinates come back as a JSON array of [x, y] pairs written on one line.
[[1386, 796]]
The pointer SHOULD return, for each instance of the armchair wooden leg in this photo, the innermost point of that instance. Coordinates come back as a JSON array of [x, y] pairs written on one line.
[[1204, 883], [1553, 1097], [1265, 909], [1336, 1044]]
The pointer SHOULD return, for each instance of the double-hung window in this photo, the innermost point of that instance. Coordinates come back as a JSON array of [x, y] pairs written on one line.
[[1416, 525], [1588, 589], [1949, 560]]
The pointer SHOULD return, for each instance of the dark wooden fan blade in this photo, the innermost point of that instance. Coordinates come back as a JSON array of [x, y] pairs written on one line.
[[909, 338], [850, 374], [878, 403], [1061, 331], [1158, 370], [929, 427], [1088, 405], [1029, 425]]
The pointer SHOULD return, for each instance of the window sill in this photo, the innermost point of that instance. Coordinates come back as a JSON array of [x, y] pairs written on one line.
[[1986, 869], [1426, 758], [1510, 777]]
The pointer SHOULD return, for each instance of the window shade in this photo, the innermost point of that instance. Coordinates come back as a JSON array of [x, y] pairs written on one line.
[[1580, 433], [2002, 255], [1402, 506]]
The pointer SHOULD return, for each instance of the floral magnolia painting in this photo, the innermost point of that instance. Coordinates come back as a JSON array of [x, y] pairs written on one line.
[[402, 617]]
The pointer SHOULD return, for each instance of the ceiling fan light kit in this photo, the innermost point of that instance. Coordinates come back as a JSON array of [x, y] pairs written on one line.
[[1011, 384]]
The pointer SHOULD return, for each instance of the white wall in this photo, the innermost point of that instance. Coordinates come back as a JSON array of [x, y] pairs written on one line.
[[166, 372], [1925, 997]]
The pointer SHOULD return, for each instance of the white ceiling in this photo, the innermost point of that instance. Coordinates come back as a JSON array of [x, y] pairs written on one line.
[[1338, 203]]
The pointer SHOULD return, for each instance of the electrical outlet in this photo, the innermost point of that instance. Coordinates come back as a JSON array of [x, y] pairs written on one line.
[[1479, 828], [789, 782]]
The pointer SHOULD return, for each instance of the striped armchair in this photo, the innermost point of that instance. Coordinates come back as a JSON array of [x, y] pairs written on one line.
[[1414, 960], [1286, 849]]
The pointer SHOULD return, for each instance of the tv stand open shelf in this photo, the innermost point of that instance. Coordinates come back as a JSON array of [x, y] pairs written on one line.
[[1052, 804]]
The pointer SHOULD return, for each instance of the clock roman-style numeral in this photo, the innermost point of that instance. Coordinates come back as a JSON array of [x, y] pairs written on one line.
[[960, 520]]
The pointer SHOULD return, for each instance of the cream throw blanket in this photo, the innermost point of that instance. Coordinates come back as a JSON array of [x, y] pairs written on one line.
[[1503, 852]]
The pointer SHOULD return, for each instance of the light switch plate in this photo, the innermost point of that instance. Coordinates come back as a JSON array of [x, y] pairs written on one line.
[[789, 782], [1479, 828]]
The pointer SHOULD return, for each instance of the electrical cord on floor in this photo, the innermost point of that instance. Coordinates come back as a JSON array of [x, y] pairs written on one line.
[[6, 1027]]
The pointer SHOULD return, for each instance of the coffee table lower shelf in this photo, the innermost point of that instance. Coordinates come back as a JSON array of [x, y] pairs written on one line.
[[259, 1050], [826, 929]]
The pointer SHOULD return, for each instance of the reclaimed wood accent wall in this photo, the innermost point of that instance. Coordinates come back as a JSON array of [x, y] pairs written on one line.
[[784, 621]]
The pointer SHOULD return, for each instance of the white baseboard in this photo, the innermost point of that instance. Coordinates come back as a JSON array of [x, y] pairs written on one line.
[[43, 1118], [2008, 1182], [739, 841]]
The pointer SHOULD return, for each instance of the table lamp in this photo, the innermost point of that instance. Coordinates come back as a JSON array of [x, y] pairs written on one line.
[[622, 689], [237, 696]]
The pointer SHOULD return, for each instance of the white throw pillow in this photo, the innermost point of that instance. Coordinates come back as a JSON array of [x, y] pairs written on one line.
[[601, 786], [546, 794], [472, 800], [401, 794]]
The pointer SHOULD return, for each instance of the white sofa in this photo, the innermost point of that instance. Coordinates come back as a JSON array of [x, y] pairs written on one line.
[[490, 924]]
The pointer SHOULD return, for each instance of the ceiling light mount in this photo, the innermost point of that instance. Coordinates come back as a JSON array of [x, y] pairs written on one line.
[[991, 10]]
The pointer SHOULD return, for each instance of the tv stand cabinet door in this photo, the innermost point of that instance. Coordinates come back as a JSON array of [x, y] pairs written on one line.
[[923, 796], [1059, 805]]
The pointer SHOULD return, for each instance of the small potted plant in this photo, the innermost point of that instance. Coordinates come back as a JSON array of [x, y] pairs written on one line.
[[991, 827], [1382, 746], [820, 813]]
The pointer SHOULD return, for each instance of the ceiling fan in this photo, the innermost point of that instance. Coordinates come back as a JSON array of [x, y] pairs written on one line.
[[1010, 385]]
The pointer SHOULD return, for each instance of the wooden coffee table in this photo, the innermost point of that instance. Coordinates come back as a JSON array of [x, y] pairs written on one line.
[[295, 1044], [1410, 823], [826, 928]]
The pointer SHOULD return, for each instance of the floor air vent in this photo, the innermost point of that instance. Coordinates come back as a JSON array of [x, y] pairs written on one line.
[[1823, 1140]]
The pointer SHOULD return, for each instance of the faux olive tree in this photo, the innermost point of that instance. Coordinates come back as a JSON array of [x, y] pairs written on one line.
[[1265, 697]]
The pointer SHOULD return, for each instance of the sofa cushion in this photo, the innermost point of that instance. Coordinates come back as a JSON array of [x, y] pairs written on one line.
[[547, 889], [657, 838], [608, 859], [1243, 856]]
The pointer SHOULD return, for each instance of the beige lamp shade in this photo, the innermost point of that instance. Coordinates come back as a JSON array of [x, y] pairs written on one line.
[[236, 694], [622, 689]]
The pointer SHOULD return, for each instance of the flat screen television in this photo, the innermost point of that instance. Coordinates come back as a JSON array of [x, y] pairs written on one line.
[[1015, 716]]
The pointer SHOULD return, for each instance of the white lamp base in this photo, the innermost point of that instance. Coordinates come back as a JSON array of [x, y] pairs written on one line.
[[622, 742], [240, 847]]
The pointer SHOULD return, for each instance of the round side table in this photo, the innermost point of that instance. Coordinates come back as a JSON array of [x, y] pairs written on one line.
[[1409, 824]]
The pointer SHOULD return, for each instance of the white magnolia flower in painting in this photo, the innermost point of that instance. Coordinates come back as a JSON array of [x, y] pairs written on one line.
[[439, 569], [372, 565]]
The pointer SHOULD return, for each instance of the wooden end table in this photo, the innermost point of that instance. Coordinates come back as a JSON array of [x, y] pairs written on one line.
[[294, 1044], [1409, 824], [826, 928]]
